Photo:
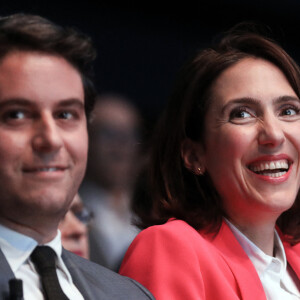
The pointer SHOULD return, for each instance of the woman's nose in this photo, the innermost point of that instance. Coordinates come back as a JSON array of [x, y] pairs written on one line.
[[271, 133]]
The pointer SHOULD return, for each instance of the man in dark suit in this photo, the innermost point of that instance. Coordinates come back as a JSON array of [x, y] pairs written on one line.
[[46, 95]]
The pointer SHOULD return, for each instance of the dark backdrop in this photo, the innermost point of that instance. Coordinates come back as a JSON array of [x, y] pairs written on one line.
[[142, 44]]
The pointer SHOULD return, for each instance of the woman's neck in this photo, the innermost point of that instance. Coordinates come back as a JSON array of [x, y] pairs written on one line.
[[261, 234]]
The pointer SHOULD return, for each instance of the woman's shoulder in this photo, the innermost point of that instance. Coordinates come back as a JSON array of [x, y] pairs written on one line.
[[161, 255], [178, 224], [173, 227], [174, 231]]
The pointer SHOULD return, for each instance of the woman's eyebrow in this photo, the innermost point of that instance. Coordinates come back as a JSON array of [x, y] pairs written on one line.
[[243, 100], [254, 101], [285, 98]]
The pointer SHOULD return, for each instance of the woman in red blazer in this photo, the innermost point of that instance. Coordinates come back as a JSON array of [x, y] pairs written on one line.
[[225, 174]]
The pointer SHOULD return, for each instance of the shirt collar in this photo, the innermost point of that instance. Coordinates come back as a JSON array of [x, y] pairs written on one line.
[[18, 247], [261, 261], [15, 246]]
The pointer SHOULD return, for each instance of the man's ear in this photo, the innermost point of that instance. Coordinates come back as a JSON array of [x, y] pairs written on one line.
[[192, 154]]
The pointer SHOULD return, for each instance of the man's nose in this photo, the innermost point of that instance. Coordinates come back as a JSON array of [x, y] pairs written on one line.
[[46, 134], [271, 132]]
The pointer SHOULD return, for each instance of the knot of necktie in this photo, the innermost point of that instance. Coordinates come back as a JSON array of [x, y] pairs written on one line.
[[43, 258]]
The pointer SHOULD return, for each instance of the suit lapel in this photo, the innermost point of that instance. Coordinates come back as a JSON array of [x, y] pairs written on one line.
[[242, 268], [5, 275], [78, 278]]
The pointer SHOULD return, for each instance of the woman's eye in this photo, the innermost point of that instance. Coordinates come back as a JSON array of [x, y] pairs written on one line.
[[290, 111], [240, 114]]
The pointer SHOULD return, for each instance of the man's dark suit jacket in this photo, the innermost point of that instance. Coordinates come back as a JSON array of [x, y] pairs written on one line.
[[93, 281]]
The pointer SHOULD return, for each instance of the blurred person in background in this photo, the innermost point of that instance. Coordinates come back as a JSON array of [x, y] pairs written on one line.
[[74, 228], [114, 162]]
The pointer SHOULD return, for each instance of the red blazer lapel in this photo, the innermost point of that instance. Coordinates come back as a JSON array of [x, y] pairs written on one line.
[[292, 253], [293, 257], [241, 266]]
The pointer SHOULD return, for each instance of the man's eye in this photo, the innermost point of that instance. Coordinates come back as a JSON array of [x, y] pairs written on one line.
[[66, 115], [15, 114]]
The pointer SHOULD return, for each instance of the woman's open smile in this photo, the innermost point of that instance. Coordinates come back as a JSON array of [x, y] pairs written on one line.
[[273, 169]]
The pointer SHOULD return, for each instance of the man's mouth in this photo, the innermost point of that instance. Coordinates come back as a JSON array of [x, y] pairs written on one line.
[[276, 168], [43, 169]]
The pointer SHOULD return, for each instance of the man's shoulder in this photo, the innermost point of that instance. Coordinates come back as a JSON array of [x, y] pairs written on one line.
[[104, 280], [91, 268]]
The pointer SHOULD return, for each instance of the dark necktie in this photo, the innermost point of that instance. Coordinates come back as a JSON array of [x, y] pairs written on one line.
[[43, 258]]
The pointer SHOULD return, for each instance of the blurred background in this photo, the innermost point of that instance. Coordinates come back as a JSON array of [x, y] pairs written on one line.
[[141, 46]]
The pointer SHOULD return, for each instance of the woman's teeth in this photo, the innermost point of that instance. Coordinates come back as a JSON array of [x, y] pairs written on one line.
[[271, 168]]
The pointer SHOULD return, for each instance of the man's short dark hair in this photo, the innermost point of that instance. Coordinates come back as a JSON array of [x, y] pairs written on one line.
[[25, 32]]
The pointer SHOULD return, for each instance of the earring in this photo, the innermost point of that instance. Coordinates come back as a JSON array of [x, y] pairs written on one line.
[[200, 170]]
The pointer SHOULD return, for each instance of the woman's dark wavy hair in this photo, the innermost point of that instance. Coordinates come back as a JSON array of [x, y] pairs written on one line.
[[25, 32], [176, 192]]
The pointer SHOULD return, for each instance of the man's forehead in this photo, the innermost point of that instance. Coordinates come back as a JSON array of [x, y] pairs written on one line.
[[33, 75], [16, 55]]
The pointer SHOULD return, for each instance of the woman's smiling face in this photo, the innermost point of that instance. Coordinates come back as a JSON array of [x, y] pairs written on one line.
[[252, 140]]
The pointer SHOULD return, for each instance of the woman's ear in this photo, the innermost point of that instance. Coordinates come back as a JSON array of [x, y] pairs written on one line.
[[192, 154]]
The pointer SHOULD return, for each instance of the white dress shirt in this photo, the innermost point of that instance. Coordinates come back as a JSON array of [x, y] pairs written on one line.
[[277, 277], [17, 249]]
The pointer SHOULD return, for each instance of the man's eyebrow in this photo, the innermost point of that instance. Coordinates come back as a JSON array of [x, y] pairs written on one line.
[[27, 102], [71, 102], [15, 101]]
